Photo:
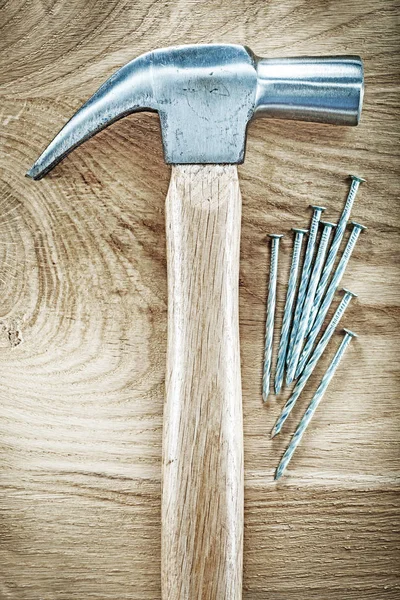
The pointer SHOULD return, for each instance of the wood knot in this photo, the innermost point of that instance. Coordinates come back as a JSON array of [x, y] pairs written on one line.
[[12, 332]]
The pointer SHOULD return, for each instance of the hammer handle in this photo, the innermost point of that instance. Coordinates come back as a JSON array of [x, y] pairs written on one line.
[[202, 497]]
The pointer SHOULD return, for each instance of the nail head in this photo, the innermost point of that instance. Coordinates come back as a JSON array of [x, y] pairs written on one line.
[[350, 333], [350, 292], [358, 225], [356, 178], [328, 224]]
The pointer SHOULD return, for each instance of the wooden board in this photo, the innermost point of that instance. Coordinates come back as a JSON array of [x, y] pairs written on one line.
[[83, 311]]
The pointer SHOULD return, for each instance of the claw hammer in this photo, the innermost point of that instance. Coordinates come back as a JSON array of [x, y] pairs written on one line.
[[205, 96]]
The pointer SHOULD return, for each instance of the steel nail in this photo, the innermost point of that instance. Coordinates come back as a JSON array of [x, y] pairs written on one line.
[[333, 250], [288, 311], [305, 276], [269, 328], [309, 298], [337, 276], [312, 407], [310, 366]]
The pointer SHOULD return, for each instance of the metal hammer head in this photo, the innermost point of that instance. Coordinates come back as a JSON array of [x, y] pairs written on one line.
[[207, 94]]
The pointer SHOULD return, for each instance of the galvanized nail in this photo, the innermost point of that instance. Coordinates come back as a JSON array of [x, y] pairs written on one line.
[[305, 276], [269, 327], [333, 250], [310, 366], [309, 298], [312, 407], [337, 276], [288, 310]]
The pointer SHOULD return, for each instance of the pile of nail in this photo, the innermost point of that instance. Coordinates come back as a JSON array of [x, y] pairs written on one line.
[[310, 293]]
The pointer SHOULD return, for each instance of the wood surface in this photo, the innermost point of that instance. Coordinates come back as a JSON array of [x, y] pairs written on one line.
[[83, 309], [202, 478]]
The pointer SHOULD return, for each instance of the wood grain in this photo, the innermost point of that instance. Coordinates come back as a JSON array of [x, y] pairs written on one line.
[[83, 310], [202, 478]]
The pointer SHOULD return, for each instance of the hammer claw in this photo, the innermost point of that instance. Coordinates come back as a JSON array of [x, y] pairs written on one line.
[[126, 91]]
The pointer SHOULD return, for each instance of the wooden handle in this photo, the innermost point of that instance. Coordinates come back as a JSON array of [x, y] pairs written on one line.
[[202, 503]]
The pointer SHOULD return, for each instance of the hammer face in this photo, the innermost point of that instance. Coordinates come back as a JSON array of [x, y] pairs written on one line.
[[206, 97]]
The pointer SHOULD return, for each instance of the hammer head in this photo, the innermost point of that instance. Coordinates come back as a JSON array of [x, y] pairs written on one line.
[[207, 94]]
